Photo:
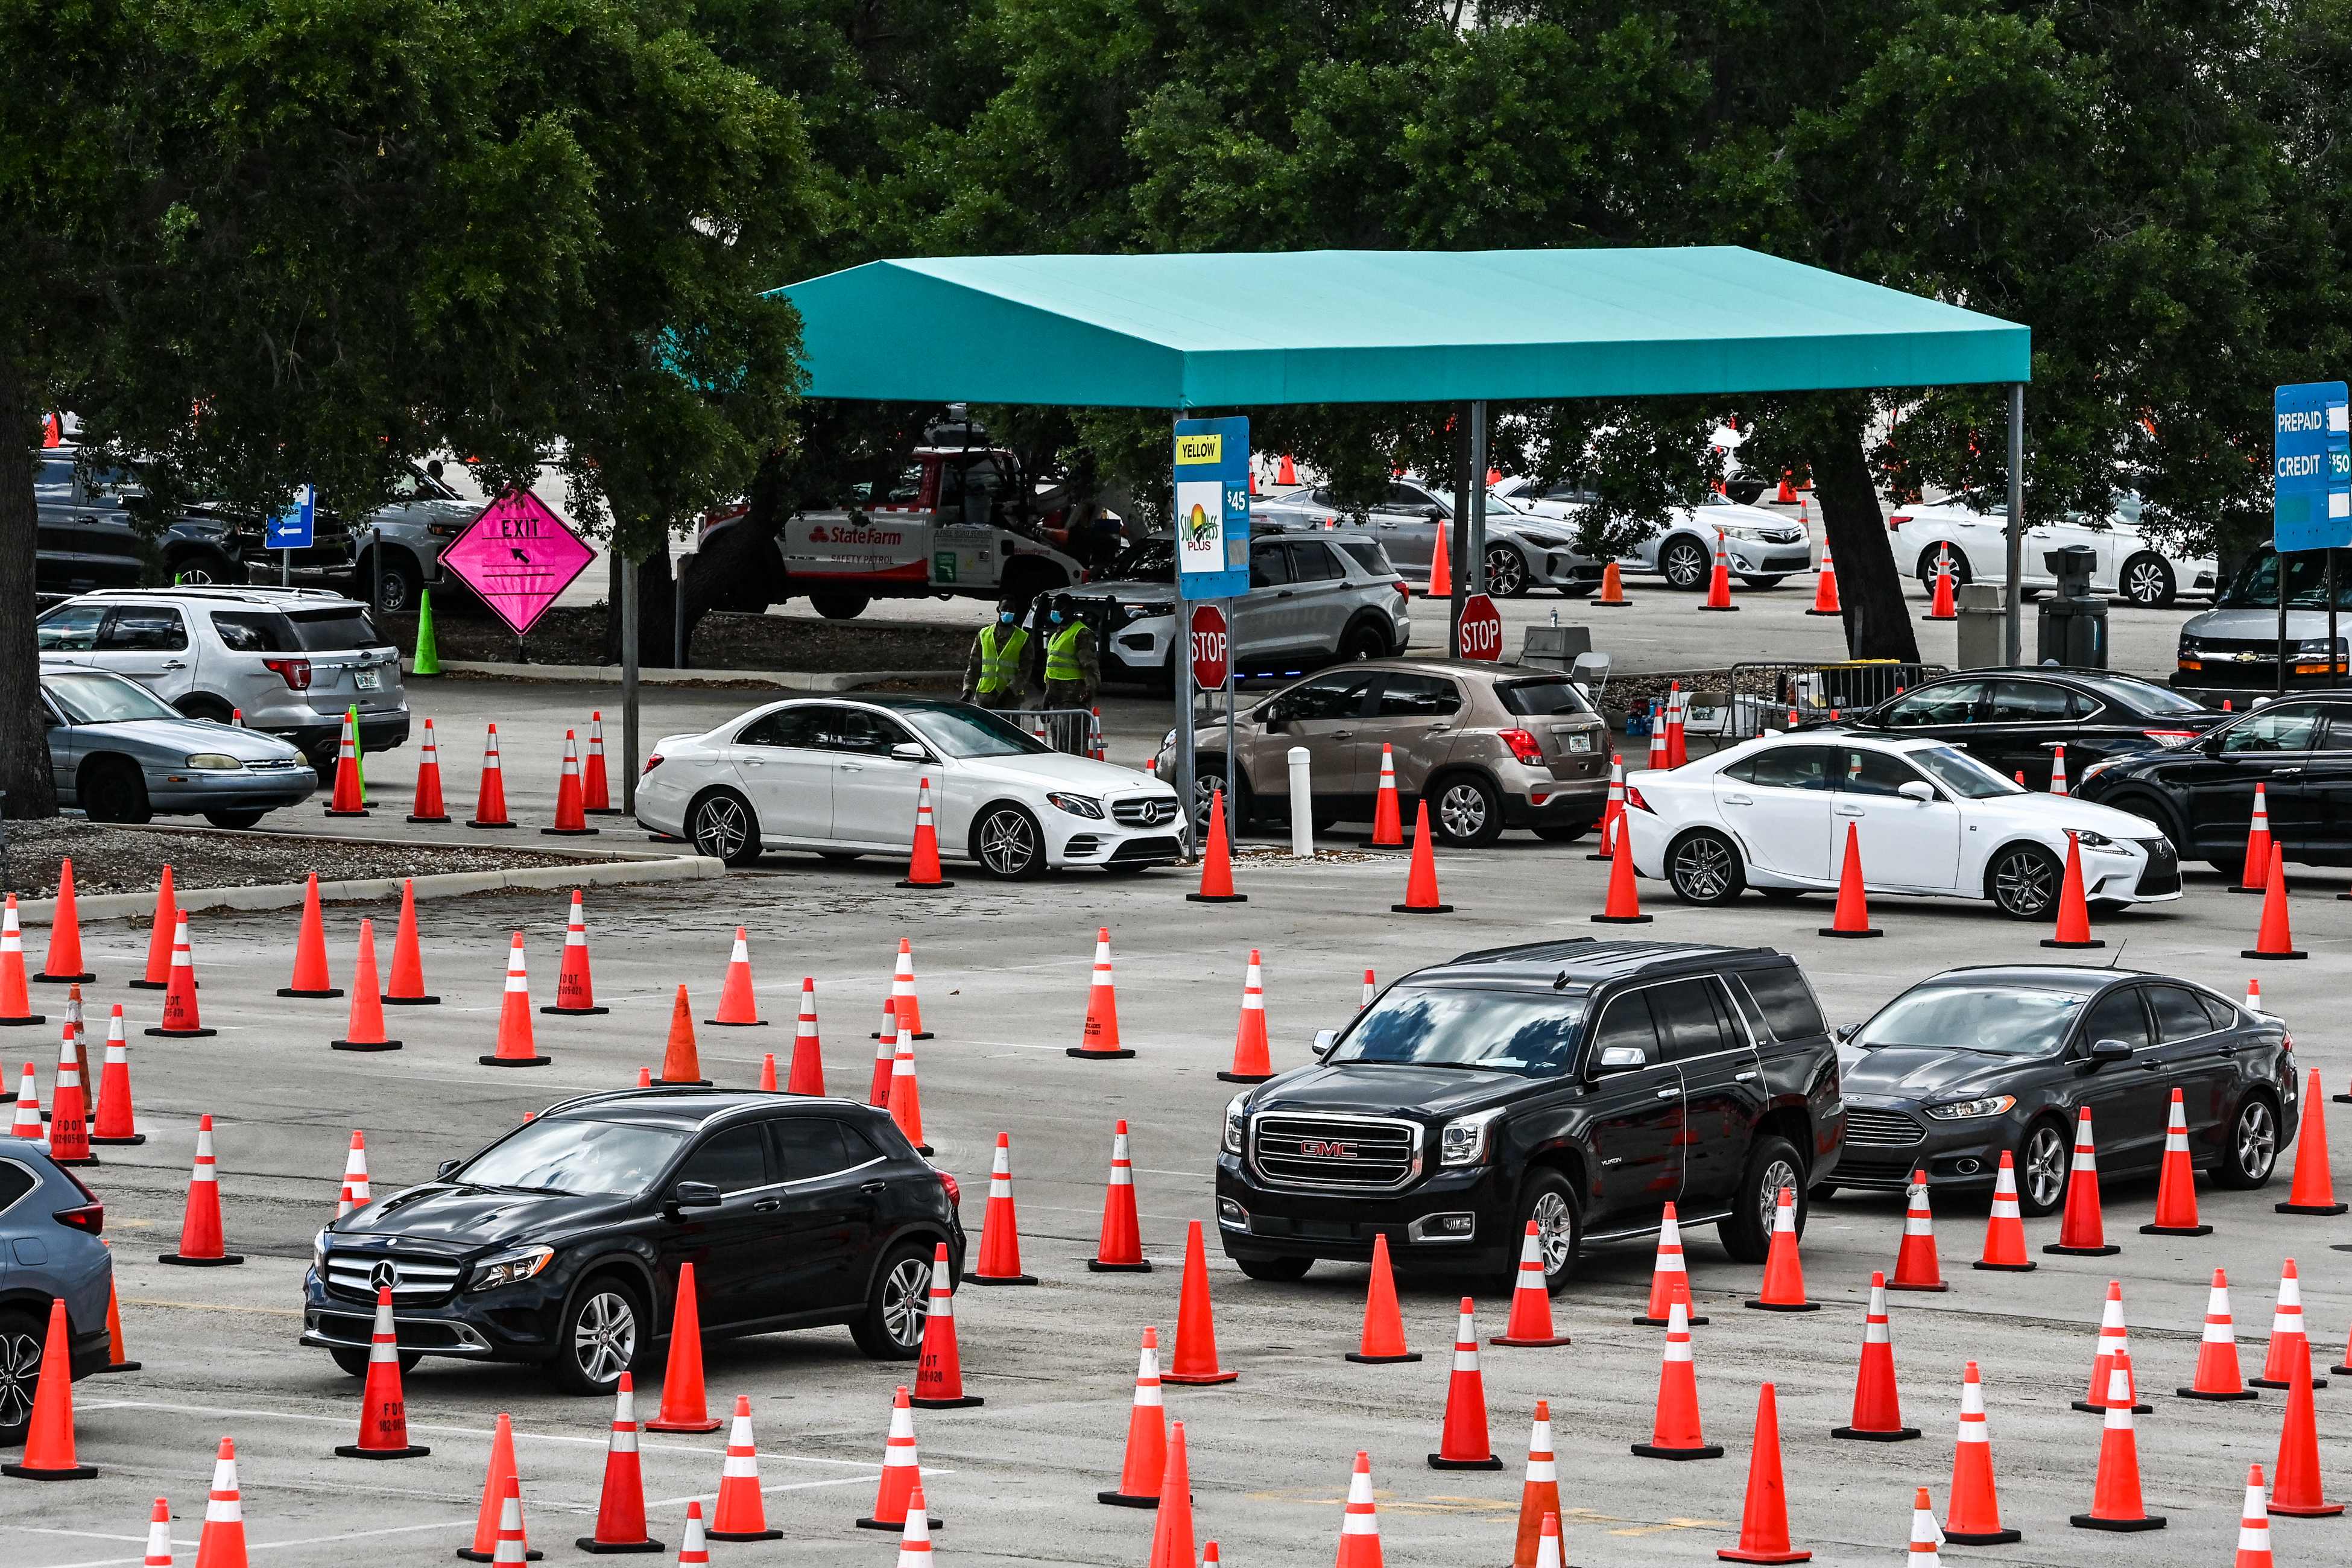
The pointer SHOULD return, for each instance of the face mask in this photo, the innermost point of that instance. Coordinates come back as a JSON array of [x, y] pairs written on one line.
[[1057, 617], [1005, 617]]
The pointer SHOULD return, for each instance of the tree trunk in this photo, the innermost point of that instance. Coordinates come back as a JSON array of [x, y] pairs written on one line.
[[1870, 583], [657, 597], [24, 738]]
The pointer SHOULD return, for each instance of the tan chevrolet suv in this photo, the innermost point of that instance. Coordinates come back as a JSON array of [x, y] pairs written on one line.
[[1490, 745]]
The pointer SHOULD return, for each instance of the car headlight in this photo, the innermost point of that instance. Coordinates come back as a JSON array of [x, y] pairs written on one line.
[[1544, 540], [215, 762], [1737, 530], [1463, 1140], [1075, 804], [2090, 840], [510, 1267], [318, 1255], [1233, 1110], [1143, 612], [1969, 1109]]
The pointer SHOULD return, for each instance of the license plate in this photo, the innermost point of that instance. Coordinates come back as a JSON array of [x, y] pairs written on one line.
[[1580, 743], [367, 680]]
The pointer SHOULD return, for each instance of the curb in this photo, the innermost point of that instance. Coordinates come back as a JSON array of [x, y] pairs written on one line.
[[610, 674]]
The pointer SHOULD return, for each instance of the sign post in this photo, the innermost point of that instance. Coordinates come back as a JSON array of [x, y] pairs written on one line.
[[1212, 515], [2311, 496], [296, 527], [1482, 630]]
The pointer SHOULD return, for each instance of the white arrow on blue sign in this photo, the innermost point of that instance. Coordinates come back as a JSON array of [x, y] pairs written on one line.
[[2311, 506], [296, 527]]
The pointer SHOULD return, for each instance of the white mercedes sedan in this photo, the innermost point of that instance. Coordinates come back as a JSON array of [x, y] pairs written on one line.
[[1771, 814], [839, 777]]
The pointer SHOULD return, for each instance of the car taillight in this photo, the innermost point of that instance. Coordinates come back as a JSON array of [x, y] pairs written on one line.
[[653, 762], [89, 1216], [1523, 744], [1898, 520], [1404, 592], [2172, 737], [955, 1193], [295, 672], [1635, 801]]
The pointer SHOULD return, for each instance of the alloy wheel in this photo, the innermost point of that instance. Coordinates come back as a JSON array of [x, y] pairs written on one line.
[[1685, 564], [1780, 1173], [2024, 883], [721, 829], [1008, 843], [20, 1369], [2257, 1139], [1507, 572], [2144, 584], [2047, 1157], [1702, 870], [604, 1338], [1555, 1230], [1462, 810], [906, 1301]]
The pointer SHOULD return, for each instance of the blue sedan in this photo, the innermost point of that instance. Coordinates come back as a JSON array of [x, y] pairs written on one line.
[[123, 754]]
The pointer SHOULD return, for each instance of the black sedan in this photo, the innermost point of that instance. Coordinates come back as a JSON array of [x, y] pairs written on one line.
[[2012, 720], [2202, 794], [1975, 1063], [560, 1243]]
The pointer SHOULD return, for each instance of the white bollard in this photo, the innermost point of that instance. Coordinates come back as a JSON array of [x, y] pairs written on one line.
[[1302, 806]]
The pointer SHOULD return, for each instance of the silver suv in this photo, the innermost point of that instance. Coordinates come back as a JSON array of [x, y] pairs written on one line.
[[290, 660]]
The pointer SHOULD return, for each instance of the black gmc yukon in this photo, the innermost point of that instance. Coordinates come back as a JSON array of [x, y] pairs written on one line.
[[1582, 1085]]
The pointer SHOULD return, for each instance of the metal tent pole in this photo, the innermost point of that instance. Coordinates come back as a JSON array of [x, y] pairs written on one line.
[[1179, 665], [2013, 615], [1477, 552], [629, 683]]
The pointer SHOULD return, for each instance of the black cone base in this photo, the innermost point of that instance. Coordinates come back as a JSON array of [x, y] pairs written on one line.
[[70, 1473], [919, 1035], [2087, 1408], [897, 1528], [1440, 1462], [531, 1555], [63, 979], [1097, 1265], [1650, 1451], [116, 1366], [1841, 614], [179, 1033], [1000, 1279], [1983, 1537], [2006, 1268], [1243, 1076], [758, 1024], [514, 1061], [2057, 1249], [1097, 1055], [2277, 1384], [1363, 1360], [226, 1260], [578, 1012], [354, 1452], [2053, 942], [363, 1045], [136, 1138], [412, 1001], [2091, 1521], [436, 820], [1661, 1323], [1858, 1435], [743, 1535], [149, 984], [680, 1083], [1782, 1307], [330, 991], [603, 1548], [1124, 1500], [472, 823], [938, 886], [1216, 899], [2216, 1398], [2176, 1230], [1722, 609], [570, 832], [1421, 908], [85, 1160], [27, 1019], [2258, 953], [1621, 919], [2307, 1208], [1857, 935], [1528, 1344], [965, 1403]]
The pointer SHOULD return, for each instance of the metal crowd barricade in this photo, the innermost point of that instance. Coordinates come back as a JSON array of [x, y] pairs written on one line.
[[1075, 730], [1762, 695]]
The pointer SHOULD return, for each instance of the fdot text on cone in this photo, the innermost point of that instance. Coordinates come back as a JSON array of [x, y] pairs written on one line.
[[575, 981], [1099, 1039], [939, 1375], [383, 1413]]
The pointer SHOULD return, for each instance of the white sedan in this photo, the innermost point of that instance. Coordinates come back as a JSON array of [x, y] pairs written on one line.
[[1772, 814], [839, 776], [2126, 563]]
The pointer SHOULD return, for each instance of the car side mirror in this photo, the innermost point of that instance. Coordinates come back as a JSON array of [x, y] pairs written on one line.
[[694, 1195], [1620, 1058], [2105, 1051], [908, 751], [1324, 1040], [1843, 1031], [444, 1170], [1918, 790], [1434, 514]]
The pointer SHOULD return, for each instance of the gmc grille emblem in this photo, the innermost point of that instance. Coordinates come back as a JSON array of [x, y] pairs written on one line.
[[1316, 1148]]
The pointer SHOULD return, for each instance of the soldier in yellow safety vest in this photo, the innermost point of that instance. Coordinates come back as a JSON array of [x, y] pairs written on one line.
[[994, 676], [1073, 668]]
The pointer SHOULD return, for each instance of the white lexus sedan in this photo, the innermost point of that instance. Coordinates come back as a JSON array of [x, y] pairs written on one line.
[[1771, 814], [839, 776]]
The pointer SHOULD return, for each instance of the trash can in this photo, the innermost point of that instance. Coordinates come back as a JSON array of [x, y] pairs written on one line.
[[1554, 648], [2072, 627], [1983, 629]]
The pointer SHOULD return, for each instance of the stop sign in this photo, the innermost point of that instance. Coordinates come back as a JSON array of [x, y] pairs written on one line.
[[1482, 630], [1212, 656]]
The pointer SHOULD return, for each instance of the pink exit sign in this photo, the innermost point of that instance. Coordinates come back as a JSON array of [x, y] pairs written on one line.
[[518, 556]]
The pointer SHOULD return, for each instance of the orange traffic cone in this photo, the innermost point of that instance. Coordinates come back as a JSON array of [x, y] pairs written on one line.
[[1100, 1038], [1147, 1435], [27, 1122], [1463, 1443], [517, 1046], [113, 1123], [1612, 589], [1878, 1402], [1825, 594], [2004, 1245], [1613, 811], [1853, 916], [2218, 1376], [1669, 1277], [49, 1437], [2058, 767], [1538, 1493], [742, 1511], [1718, 581], [1171, 1531], [1623, 905], [2273, 939], [571, 814], [491, 800], [1786, 495], [693, 1554], [15, 1000], [1674, 1434], [923, 858], [1381, 1342], [1421, 880], [1194, 1358], [159, 937], [907, 1094], [2114, 1345], [2254, 1524], [2081, 1231], [62, 963], [767, 1072], [1287, 474], [1000, 1228], [310, 977], [498, 1530], [2289, 1344], [406, 988], [596, 783], [575, 982], [1764, 1519], [68, 1117], [356, 1191], [383, 1417], [1940, 606], [1121, 1248], [902, 1468], [1388, 824], [222, 1544], [1370, 993], [347, 801], [685, 1403], [430, 808], [1217, 860], [365, 1031], [807, 1074], [885, 1058], [1252, 1063], [737, 1007], [1530, 1322], [1784, 1270], [939, 1375], [1441, 568], [1677, 743], [2175, 1190], [905, 1010], [1973, 1517], [2313, 1191], [2074, 909], [2295, 1489], [2254, 875], [200, 1223], [681, 1062], [621, 1505], [1917, 1267], [2115, 1497], [1360, 1523], [1660, 753]]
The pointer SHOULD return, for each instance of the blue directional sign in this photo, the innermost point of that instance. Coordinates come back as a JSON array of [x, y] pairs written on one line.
[[2311, 506], [296, 527], [1213, 508]]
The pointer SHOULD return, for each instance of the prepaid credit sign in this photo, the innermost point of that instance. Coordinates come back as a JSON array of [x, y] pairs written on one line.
[[2311, 468], [518, 556], [1212, 508]]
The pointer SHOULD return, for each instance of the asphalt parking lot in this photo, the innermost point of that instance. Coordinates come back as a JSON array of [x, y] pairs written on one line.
[[1003, 975]]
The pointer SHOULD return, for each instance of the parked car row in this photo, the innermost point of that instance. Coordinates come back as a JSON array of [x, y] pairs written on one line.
[[1972, 528]]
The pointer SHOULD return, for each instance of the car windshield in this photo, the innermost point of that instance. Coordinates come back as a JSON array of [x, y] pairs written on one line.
[[335, 631], [92, 698], [1999, 1020], [2143, 694], [1962, 774], [1540, 698], [1419, 1028], [2255, 586], [1153, 560], [972, 733], [573, 1154]]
